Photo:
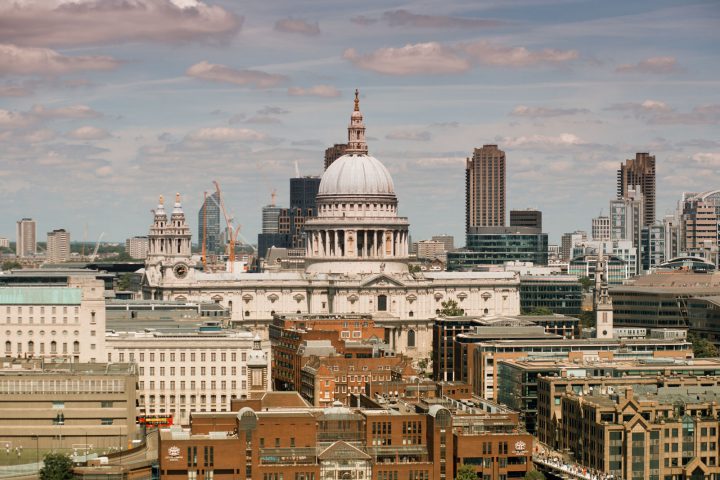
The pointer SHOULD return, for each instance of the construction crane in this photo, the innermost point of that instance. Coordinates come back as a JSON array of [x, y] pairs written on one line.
[[232, 232], [97, 245]]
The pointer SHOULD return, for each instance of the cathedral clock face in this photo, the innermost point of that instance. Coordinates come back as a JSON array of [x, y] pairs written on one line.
[[180, 270]]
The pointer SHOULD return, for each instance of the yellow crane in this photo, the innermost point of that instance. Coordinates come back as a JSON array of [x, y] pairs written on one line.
[[232, 232]]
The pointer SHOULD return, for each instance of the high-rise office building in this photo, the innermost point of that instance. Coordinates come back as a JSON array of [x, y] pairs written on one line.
[[270, 219], [601, 228], [209, 215], [26, 243], [333, 153], [652, 248], [526, 218], [303, 191], [58, 246], [568, 241], [485, 188], [639, 172], [447, 240]]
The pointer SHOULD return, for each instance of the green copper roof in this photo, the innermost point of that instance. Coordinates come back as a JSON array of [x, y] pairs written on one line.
[[40, 296]]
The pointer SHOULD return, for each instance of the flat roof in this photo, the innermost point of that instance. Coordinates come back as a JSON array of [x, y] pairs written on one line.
[[40, 296]]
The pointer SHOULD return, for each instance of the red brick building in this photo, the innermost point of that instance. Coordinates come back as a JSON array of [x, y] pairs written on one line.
[[424, 441]]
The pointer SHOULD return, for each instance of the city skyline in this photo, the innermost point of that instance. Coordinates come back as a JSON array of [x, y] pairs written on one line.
[[95, 126]]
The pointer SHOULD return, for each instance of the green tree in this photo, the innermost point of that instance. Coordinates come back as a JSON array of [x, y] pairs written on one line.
[[539, 311], [534, 475], [466, 472], [414, 268], [587, 319], [586, 283], [57, 467], [450, 309], [10, 264], [124, 282], [703, 348]]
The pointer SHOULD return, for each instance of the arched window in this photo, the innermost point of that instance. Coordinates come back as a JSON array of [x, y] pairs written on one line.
[[247, 313], [411, 313], [76, 347], [31, 347], [53, 347], [411, 338], [382, 303], [486, 311], [8, 346]]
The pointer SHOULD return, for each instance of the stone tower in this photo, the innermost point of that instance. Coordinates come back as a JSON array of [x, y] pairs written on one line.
[[169, 243], [603, 301]]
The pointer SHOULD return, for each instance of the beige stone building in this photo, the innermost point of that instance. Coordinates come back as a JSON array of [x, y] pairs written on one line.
[[66, 406], [60, 323], [192, 371]]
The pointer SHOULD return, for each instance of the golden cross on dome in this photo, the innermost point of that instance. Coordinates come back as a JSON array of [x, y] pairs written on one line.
[[357, 100]]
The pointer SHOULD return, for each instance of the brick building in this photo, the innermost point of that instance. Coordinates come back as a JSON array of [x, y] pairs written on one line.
[[293, 336], [325, 380], [278, 438]]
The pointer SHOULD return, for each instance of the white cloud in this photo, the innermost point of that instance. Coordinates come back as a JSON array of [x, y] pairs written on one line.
[[315, 91], [655, 112], [412, 59], [70, 22], [225, 134], [544, 112], [488, 53], [655, 65], [15, 60], [294, 25], [246, 78], [406, 18], [73, 111], [707, 159], [415, 136], [88, 132], [541, 141]]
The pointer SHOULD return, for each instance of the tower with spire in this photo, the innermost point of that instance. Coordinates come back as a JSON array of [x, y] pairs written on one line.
[[169, 242], [356, 131], [603, 301]]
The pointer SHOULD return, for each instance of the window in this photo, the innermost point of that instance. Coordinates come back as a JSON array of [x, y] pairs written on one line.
[[106, 404], [382, 303], [106, 421], [411, 338]]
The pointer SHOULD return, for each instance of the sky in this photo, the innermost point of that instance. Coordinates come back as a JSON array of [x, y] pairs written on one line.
[[107, 104]]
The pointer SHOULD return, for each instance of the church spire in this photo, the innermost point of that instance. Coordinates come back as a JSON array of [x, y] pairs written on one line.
[[356, 131]]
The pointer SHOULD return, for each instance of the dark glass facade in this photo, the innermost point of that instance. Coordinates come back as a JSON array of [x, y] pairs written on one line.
[[557, 294], [495, 246]]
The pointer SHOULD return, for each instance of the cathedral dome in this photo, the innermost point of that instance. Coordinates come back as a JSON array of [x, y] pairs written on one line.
[[356, 174]]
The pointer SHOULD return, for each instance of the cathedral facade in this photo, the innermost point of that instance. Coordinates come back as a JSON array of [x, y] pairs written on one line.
[[356, 262]]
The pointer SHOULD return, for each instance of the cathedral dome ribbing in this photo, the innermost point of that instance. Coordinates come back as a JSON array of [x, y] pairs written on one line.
[[356, 174]]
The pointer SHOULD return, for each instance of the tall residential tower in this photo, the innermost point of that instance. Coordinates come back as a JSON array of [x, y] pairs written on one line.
[[485, 188], [639, 172], [26, 242]]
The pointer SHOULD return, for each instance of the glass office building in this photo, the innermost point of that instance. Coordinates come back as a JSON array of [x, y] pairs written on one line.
[[497, 245]]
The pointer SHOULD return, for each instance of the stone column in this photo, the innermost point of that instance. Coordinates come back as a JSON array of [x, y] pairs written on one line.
[[336, 244]]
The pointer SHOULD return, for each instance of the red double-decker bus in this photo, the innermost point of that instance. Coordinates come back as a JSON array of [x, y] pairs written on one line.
[[159, 421]]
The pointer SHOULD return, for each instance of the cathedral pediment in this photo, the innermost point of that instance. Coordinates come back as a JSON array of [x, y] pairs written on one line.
[[381, 280]]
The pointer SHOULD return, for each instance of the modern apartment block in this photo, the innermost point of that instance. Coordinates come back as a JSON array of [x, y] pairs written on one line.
[[48, 405], [334, 152], [58, 246], [485, 188], [58, 323], [429, 249], [137, 247], [639, 171], [25, 239], [551, 389], [663, 428]]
